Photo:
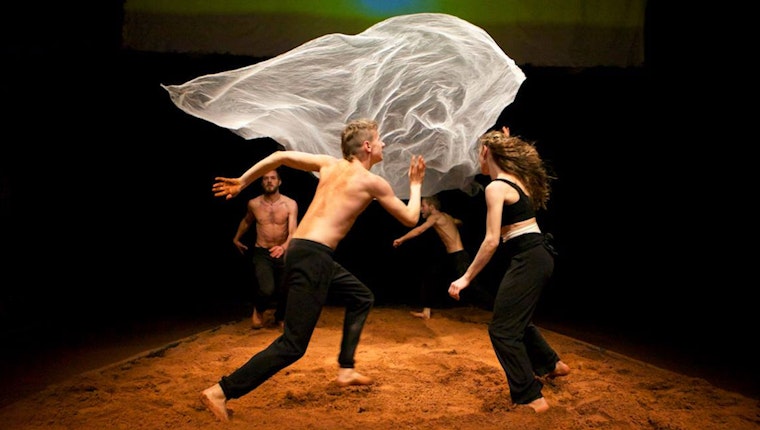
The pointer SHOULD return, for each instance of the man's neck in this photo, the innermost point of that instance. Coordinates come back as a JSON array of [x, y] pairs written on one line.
[[366, 162], [271, 198]]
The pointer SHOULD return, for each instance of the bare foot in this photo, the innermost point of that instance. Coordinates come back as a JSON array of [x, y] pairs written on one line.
[[256, 321], [560, 369], [539, 405], [215, 401], [348, 377], [425, 314]]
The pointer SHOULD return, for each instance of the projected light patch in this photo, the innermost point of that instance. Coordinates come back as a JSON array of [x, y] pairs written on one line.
[[382, 8]]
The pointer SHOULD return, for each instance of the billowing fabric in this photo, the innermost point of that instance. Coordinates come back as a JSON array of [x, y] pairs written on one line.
[[433, 82]]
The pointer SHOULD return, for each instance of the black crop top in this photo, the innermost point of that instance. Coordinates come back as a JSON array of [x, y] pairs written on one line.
[[518, 211]]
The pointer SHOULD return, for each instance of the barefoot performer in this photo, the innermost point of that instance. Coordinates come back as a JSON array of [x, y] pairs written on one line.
[[519, 187], [346, 187]]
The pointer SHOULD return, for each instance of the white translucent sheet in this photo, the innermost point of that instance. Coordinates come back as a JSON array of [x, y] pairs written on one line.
[[434, 83]]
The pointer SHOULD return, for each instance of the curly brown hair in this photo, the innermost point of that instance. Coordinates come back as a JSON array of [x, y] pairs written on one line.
[[520, 158]]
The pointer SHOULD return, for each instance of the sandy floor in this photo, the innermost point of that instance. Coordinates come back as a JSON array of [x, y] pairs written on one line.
[[434, 374]]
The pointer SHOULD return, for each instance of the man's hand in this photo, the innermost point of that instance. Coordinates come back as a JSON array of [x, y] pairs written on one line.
[[226, 187], [417, 169], [276, 251], [240, 246]]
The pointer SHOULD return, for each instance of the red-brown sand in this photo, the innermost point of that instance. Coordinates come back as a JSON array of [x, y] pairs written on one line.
[[439, 373]]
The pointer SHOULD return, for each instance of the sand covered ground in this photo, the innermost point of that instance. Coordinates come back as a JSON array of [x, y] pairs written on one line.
[[429, 374]]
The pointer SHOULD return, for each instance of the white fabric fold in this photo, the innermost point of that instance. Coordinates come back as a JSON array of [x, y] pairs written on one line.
[[434, 83]]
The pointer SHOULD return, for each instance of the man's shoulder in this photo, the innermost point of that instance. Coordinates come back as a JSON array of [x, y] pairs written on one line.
[[449, 219], [288, 199], [371, 176]]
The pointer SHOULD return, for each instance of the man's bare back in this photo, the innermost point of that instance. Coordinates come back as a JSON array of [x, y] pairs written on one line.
[[345, 189], [446, 227]]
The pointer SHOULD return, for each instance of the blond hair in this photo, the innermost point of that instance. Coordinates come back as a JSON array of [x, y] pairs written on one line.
[[354, 135]]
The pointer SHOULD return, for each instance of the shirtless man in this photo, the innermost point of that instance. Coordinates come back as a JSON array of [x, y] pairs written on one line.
[[276, 217], [457, 259], [346, 188]]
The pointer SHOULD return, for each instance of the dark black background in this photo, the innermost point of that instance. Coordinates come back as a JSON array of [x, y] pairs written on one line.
[[107, 211]]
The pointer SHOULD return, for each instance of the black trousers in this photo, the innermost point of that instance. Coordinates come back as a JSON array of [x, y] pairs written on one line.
[[311, 274], [268, 271], [520, 347], [435, 286]]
